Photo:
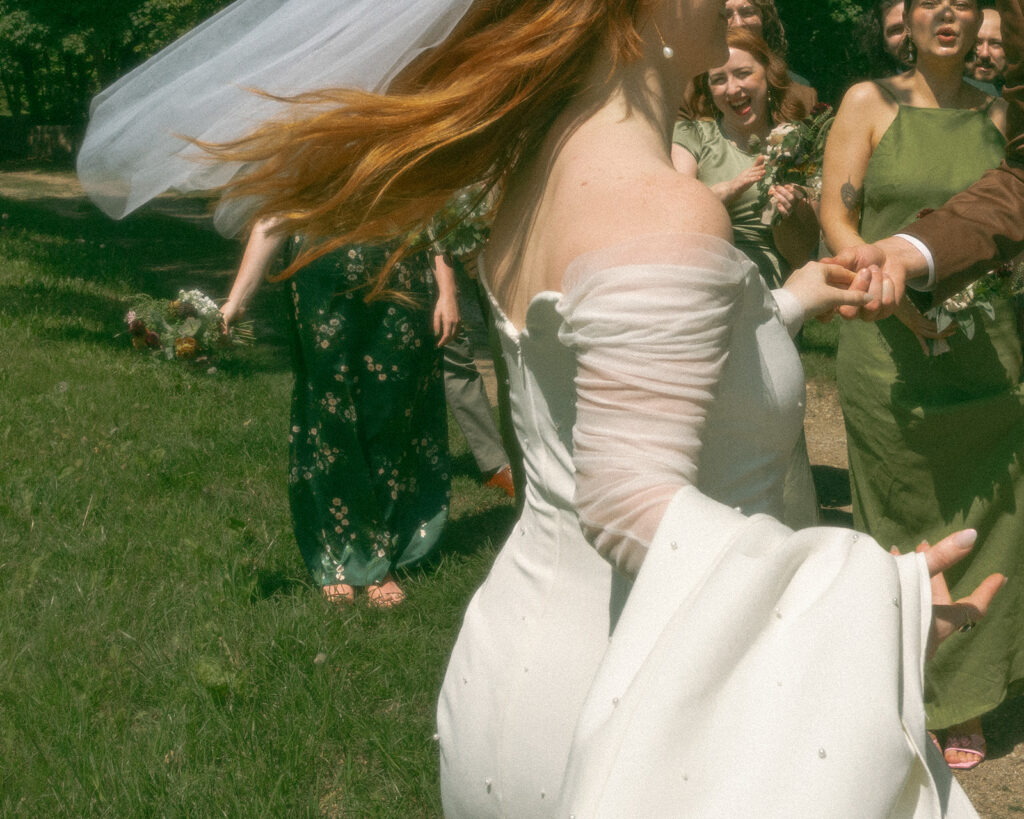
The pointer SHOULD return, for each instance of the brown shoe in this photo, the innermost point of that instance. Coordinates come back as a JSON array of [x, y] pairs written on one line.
[[502, 479]]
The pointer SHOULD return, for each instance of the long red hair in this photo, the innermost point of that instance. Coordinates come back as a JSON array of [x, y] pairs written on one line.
[[783, 104], [347, 167]]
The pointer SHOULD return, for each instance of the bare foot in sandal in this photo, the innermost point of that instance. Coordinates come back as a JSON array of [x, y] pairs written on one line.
[[964, 747], [340, 593], [384, 595]]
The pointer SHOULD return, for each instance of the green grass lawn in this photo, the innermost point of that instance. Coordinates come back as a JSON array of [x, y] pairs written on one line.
[[818, 344], [161, 649]]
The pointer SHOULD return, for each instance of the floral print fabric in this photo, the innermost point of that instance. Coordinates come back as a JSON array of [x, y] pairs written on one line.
[[368, 479]]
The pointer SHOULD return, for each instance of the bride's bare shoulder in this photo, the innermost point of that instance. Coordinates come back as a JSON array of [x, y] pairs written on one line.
[[657, 202]]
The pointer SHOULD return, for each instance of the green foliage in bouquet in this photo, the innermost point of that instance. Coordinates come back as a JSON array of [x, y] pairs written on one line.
[[794, 152], [187, 328], [961, 309]]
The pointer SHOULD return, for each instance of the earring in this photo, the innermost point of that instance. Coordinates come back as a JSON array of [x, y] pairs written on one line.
[[666, 50]]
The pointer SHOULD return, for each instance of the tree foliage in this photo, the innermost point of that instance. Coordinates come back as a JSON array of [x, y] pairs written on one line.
[[55, 56], [826, 43]]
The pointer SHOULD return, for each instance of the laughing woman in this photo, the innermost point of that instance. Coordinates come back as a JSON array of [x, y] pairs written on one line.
[[913, 418], [734, 103]]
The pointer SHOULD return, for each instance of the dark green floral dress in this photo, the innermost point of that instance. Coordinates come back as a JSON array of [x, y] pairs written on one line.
[[368, 479]]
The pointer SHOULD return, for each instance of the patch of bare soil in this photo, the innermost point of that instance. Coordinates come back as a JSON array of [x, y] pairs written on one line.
[[63, 194], [826, 445]]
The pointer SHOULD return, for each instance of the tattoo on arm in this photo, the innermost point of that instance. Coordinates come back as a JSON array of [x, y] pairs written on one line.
[[852, 197]]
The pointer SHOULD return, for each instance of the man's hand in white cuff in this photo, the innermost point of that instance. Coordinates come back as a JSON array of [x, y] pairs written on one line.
[[888, 264]]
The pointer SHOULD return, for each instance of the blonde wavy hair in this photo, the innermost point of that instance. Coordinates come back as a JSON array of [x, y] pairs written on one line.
[[345, 166]]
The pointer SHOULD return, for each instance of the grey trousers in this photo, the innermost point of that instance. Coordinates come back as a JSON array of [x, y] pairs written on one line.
[[467, 399]]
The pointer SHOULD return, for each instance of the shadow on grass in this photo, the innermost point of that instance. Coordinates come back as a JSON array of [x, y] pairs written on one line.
[[833, 487], [484, 529], [1004, 727], [72, 247], [463, 465], [270, 583]]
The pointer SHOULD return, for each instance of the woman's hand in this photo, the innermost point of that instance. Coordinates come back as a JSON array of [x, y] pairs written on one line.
[[446, 318], [821, 288], [922, 328], [231, 310], [785, 198], [949, 616], [729, 191], [797, 233]]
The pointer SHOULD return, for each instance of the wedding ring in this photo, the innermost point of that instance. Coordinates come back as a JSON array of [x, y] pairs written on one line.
[[968, 625]]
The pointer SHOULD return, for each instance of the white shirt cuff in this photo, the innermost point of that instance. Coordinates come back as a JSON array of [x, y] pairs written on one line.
[[916, 284], [791, 312]]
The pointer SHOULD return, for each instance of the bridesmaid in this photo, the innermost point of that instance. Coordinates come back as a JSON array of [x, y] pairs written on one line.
[[761, 18], [899, 146], [731, 105], [368, 467]]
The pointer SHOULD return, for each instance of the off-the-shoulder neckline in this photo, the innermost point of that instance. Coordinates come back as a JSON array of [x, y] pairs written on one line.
[[650, 247]]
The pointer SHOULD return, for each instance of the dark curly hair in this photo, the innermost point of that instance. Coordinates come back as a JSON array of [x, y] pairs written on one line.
[[783, 105], [771, 27], [870, 35]]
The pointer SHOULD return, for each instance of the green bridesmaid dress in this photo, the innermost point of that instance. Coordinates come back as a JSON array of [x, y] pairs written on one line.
[[936, 442], [719, 160], [368, 479]]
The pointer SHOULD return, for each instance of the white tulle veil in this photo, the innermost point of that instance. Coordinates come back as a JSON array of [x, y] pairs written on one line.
[[200, 86]]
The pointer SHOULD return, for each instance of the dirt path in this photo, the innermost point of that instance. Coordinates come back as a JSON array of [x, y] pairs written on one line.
[[996, 788]]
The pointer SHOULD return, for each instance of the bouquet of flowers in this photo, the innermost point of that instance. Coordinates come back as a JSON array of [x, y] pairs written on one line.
[[187, 328], [1006, 281], [793, 153]]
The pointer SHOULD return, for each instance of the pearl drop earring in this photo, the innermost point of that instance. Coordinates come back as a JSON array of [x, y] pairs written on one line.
[[666, 50]]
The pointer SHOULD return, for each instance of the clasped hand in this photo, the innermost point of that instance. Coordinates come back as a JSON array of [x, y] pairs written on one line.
[[882, 269]]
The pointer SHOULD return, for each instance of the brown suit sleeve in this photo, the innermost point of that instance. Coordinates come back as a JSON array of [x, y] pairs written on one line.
[[984, 224]]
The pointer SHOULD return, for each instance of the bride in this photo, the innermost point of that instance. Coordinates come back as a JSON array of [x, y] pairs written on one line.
[[652, 640]]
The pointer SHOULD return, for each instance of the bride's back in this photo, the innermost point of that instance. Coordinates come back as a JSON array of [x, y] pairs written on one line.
[[602, 178]]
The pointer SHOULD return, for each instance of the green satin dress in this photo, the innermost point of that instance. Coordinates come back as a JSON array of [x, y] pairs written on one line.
[[719, 160], [936, 443], [368, 480]]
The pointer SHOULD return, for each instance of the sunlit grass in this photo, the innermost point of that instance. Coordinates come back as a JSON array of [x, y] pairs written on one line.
[[818, 343], [161, 649]]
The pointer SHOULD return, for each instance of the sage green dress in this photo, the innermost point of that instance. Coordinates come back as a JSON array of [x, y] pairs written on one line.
[[368, 479], [719, 160], [935, 443]]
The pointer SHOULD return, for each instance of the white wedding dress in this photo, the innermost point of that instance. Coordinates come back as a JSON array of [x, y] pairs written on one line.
[[651, 641]]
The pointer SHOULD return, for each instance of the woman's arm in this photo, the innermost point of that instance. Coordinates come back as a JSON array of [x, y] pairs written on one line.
[[260, 251], [446, 311], [727, 192], [650, 347], [796, 234], [847, 153]]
